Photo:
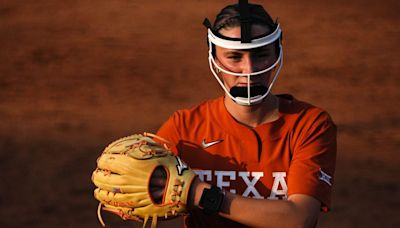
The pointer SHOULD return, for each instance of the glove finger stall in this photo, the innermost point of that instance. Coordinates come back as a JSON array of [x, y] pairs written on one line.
[[123, 164], [102, 178], [132, 200]]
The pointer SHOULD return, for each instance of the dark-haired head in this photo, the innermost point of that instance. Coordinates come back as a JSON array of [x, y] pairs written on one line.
[[229, 17]]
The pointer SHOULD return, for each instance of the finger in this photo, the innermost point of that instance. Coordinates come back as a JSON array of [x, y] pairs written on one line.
[[158, 182], [157, 194], [158, 177], [159, 172]]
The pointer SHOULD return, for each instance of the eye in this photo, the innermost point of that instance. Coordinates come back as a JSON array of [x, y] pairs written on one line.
[[234, 57], [263, 54]]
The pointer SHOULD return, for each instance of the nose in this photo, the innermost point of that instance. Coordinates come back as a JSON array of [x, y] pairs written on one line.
[[248, 65]]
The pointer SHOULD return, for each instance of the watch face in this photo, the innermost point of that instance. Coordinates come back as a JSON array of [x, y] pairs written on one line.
[[211, 200]]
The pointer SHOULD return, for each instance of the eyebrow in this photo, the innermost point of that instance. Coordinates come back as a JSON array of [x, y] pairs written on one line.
[[233, 52]]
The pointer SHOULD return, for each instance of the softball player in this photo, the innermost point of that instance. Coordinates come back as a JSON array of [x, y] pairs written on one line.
[[263, 160]]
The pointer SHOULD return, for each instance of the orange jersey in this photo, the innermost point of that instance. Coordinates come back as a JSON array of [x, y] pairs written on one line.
[[294, 154]]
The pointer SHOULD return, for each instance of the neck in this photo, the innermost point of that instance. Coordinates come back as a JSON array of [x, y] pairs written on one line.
[[252, 116]]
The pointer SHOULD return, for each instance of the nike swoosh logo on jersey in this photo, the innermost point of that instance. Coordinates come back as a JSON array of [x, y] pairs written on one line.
[[212, 143]]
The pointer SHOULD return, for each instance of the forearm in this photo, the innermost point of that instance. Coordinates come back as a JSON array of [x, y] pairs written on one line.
[[264, 213], [261, 213]]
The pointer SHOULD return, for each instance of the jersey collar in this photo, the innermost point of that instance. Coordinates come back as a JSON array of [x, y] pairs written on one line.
[[267, 131]]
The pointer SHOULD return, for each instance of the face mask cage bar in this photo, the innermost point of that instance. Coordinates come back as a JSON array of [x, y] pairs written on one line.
[[213, 39]]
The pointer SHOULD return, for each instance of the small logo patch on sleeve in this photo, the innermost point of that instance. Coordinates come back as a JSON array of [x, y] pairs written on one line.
[[325, 177]]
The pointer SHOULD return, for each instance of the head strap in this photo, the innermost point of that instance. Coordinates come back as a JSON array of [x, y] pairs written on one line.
[[245, 21], [207, 23]]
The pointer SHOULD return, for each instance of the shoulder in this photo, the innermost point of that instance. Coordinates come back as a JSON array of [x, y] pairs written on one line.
[[188, 120], [307, 124], [305, 121], [188, 123], [298, 111], [197, 114]]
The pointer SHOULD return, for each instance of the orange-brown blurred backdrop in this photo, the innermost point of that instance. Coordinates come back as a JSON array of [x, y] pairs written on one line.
[[75, 75]]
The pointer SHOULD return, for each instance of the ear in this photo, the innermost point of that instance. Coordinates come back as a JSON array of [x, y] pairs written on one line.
[[217, 70]]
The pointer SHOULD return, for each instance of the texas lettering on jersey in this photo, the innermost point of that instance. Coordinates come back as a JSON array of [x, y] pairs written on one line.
[[224, 179]]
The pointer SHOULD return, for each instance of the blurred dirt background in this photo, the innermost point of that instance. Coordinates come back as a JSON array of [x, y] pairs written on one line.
[[76, 75]]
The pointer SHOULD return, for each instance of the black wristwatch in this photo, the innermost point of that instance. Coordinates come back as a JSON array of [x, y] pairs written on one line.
[[211, 200]]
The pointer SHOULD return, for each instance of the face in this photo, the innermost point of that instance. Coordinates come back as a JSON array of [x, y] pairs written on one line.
[[246, 61]]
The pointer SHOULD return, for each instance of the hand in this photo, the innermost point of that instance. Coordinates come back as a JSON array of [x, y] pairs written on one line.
[[157, 188], [158, 181], [196, 190]]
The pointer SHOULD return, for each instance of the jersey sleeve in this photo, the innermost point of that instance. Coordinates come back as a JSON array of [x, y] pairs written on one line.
[[313, 160], [169, 131]]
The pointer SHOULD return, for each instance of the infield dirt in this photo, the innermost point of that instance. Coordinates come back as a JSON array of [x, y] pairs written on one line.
[[76, 75]]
